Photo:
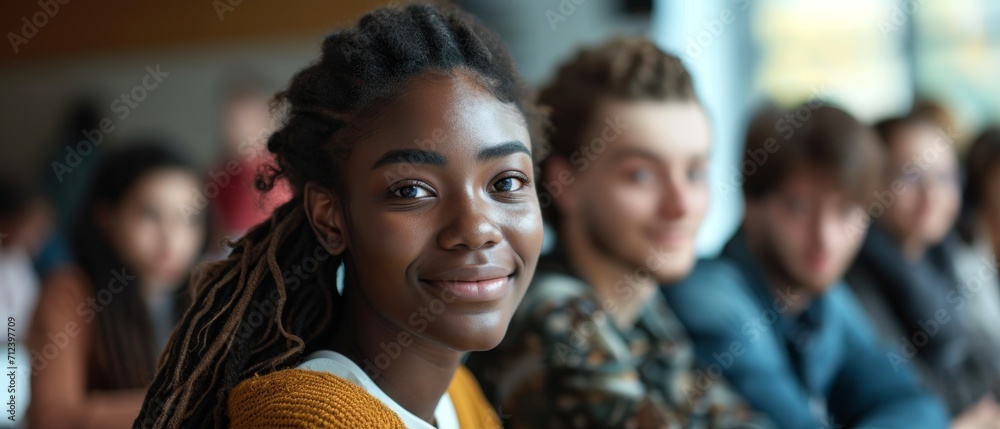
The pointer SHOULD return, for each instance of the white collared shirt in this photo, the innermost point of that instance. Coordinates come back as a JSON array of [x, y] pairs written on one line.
[[337, 364]]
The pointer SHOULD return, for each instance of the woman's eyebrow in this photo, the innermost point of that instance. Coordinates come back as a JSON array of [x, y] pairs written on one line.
[[429, 157], [502, 150], [410, 156]]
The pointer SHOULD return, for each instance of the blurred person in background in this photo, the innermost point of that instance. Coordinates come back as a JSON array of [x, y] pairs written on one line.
[[975, 255], [66, 171], [25, 221], [904, 274], [771, 313], [100, 326], [246, 124], [594, 344], [63, 177]]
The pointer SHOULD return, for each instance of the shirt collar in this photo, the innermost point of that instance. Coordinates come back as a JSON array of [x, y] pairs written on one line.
[[654, 316], [737, 251], [337, 364]]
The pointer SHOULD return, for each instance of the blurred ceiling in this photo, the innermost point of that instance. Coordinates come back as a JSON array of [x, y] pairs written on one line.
[[78, 27]]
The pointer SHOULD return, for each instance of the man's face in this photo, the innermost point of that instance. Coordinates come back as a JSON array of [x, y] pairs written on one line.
[[640, 184], [808, 230]]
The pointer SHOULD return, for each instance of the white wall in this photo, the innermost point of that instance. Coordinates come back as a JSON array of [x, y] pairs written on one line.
[[710, 36], [183, 107]]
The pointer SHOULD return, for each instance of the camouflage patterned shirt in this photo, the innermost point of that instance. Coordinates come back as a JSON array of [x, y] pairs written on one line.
[[565, 364]]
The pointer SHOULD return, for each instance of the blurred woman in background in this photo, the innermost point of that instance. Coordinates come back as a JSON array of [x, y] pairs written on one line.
[[100, 326], [246, 124], [904, 275], [976, 256]]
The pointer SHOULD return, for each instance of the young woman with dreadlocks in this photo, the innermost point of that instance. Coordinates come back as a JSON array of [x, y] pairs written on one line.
[[411, 151]]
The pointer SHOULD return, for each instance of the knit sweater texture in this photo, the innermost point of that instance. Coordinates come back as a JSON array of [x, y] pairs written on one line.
[[304, 399]]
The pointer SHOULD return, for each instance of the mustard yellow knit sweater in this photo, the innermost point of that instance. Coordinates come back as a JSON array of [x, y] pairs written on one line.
[[303, 399]]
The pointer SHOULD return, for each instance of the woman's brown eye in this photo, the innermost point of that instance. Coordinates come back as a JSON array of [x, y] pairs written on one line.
[[408, 192], [411, 191], [508, 184]]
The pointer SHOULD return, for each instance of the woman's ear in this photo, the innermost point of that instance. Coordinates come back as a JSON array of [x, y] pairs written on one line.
[[326, 216]]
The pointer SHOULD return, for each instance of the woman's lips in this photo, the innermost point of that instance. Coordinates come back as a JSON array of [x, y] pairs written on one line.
[[475, 290]]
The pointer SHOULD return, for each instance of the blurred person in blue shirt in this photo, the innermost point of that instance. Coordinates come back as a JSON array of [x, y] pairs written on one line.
[[771, 314]]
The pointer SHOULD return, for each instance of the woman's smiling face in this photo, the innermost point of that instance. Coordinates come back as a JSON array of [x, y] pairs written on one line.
[[442, 225]]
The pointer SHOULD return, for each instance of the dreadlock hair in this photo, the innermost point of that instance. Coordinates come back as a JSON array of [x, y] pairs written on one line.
[[251, 314], [621, 69]]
